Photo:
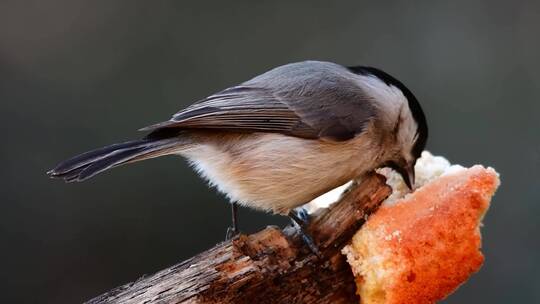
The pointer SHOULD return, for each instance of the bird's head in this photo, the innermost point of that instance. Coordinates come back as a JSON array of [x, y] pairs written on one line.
[[404, 118], [410, 136]]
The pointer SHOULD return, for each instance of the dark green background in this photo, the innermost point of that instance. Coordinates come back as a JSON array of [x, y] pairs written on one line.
[[75, 75]]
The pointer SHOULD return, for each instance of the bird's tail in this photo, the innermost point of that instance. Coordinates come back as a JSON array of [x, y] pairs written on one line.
[[87, 165]]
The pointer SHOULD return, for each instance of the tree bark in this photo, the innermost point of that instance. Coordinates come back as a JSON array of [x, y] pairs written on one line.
[[270, 266]]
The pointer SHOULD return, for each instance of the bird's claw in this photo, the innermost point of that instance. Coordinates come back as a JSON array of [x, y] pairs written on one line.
[[300, 219], [231, 233]]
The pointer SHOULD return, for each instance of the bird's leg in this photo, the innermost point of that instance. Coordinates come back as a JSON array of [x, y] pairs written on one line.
[[300, 219], [300, 215], [233, 230]]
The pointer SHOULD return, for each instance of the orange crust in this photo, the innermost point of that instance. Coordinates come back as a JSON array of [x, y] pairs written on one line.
[[430, 240]]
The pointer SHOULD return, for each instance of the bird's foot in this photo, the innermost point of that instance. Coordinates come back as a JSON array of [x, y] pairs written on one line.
[[231, 233], [300, 219], [300, 215], [233, 230]]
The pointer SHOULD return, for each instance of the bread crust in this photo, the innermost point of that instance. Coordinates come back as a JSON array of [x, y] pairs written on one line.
[[424, 246]]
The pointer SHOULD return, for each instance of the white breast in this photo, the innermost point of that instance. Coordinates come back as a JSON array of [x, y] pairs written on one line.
[[276, 172]]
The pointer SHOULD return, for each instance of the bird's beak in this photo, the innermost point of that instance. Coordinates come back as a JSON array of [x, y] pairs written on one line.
[[406, 171], [408, 176]]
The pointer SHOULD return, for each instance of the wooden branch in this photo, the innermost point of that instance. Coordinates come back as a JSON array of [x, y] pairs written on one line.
[[271, 266]]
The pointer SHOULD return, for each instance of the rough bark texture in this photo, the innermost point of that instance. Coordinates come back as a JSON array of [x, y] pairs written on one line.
[[271, 266]]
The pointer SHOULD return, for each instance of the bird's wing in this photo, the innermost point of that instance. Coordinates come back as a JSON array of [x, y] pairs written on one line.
[[316, 106]]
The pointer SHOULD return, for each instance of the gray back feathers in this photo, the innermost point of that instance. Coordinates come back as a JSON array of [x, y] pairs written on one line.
[[308, 99]]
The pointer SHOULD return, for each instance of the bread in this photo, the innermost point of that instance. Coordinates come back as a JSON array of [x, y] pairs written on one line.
[[419, 247]]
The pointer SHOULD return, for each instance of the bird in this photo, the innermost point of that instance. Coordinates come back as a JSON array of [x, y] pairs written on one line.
[[282, 138]]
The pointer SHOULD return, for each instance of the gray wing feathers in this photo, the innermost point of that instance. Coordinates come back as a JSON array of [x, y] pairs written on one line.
[[308, 100], [236, 108]]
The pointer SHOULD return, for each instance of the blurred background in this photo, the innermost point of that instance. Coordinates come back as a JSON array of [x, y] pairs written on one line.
[[76, 75]]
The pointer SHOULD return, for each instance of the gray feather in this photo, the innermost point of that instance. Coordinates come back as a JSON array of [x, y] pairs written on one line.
[[308, 99], [89, 164]]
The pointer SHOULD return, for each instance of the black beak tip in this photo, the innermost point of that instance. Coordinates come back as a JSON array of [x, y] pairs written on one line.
[[406, 172], [408, 182], [408, 177]]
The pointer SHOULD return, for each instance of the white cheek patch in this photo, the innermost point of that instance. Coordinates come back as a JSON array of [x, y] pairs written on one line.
[[393, 105]]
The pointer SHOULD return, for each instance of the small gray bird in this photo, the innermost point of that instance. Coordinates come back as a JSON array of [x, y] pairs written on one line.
[[281, 139]]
